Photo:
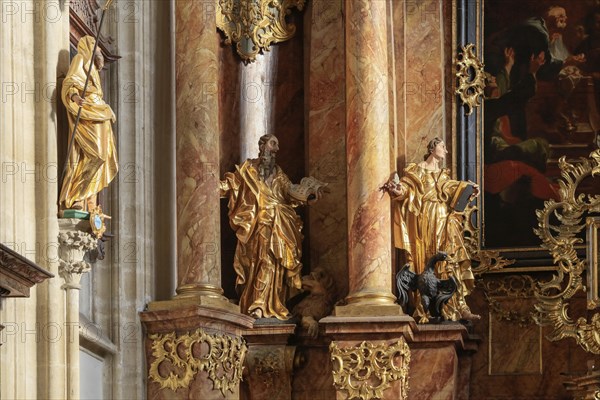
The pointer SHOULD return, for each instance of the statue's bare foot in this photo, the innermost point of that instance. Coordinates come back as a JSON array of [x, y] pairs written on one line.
[[469, 316], [256, 313]]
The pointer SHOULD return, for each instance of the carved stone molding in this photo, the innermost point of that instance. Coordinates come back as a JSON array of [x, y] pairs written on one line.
[[73, 245], [471, 81], [559, 224], [178, 358], [18, 274], [367, 370], [253, 25]]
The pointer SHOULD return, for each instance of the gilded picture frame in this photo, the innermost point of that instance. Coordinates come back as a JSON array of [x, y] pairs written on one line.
[[593, 249]]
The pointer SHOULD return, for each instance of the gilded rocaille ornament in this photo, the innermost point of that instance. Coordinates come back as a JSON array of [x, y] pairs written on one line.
[[511, 286], [180, 357], [367, 370], [254, 24], [483, 260], [559, 224], [471, 78]]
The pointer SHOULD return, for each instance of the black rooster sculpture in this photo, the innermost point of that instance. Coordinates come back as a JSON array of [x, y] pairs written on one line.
[[434, 291]]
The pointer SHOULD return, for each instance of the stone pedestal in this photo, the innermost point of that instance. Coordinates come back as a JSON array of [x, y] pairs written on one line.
[[404, 360], [194, 352], [269, 363], [370, 356], [313, 377], [440, 365]]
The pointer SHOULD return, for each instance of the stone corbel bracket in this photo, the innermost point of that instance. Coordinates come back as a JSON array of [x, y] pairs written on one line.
[[367, 370], [222, 359], [254, 24], [73, 245]]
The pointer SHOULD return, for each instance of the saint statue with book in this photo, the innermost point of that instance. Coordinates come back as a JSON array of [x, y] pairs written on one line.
[[427, 205], [261, 212]]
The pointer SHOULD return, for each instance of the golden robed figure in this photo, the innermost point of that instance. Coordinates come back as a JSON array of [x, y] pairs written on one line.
[[424, 224], [261, 212], [92, 162]]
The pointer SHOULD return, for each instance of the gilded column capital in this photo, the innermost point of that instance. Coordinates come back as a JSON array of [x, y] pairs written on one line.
[[365, 371]]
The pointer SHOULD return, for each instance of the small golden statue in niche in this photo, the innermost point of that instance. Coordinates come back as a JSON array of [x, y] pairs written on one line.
[[92, 157], [426, 205], [261, 212]]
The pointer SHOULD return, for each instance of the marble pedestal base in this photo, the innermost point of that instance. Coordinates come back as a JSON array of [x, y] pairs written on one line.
[[438, 364], [194, 352], [374, 347], [269, 364]]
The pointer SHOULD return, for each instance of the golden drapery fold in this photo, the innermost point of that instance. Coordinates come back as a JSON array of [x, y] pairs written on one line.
[[269, 248], [425, 224], [92, 164]]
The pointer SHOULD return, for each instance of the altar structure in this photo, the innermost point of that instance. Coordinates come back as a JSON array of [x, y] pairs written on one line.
[[353, 91]]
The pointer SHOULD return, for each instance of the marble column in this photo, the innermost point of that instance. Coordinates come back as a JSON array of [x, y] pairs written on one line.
[[257, 101], [197, 153], [74, 242], [368, 161]]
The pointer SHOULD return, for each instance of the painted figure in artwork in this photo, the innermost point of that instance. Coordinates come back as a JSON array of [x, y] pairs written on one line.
[[425, 224], [92, 163], [261, 212]]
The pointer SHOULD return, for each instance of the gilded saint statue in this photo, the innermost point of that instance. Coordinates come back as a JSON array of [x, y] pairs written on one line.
[[261, 212], [92, 162], [424, 224]]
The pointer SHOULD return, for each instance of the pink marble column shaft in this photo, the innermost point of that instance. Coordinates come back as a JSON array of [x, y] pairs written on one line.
[[368, 153], [197, 151]]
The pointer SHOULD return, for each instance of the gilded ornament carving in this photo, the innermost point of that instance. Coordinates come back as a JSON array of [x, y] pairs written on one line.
[[367, 370], [482, 260], [559, 223], [254, 24], [177, 359], [471, 78], [515, 287]]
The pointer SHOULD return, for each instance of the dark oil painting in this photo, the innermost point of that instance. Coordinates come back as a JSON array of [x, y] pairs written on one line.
[[542, 99]]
